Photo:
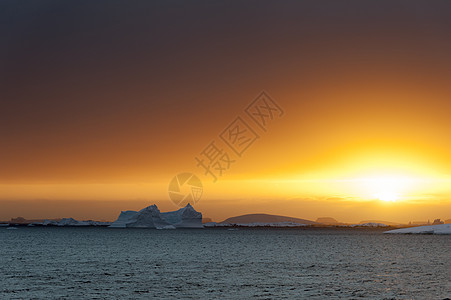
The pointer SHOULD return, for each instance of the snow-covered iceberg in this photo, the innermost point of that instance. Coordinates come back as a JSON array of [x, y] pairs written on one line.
[[124, 218], [151, 217], [49, 223], [186, 217], [71, 222], [430, 229]]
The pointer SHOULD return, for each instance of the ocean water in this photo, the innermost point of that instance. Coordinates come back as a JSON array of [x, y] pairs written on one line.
[[103, 263]]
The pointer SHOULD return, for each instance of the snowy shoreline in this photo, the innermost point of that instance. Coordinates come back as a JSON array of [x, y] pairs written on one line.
[[430, 229]]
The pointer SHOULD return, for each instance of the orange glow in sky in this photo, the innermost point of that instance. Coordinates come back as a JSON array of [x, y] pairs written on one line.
[[97, 121]]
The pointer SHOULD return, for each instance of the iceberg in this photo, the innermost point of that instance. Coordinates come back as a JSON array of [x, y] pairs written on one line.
[[70, 222], [148, 217], [430, 229], [49, 222], [151, 217], [186, 217], [124, 218], [98, 223]]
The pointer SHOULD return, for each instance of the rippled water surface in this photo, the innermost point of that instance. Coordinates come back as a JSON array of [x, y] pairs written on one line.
[[102, 263]]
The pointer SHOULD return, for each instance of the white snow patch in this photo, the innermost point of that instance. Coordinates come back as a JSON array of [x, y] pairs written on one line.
[[430, 229]]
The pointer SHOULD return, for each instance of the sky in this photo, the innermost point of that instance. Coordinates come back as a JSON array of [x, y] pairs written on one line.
[[102, 103]]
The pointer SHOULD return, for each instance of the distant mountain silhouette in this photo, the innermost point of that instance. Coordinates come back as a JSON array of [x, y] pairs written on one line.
[[265, 218], [206, 220], [327, 221], [379, 221]]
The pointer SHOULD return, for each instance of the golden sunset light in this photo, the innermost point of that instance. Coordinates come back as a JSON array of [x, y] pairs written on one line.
[[254, 149]]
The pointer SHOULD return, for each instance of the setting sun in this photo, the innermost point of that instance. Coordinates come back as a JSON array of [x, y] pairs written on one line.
[[387, 196], [388, 188]]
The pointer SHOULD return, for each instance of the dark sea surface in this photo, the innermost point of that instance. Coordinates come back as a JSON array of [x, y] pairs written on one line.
[[103, 263]]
